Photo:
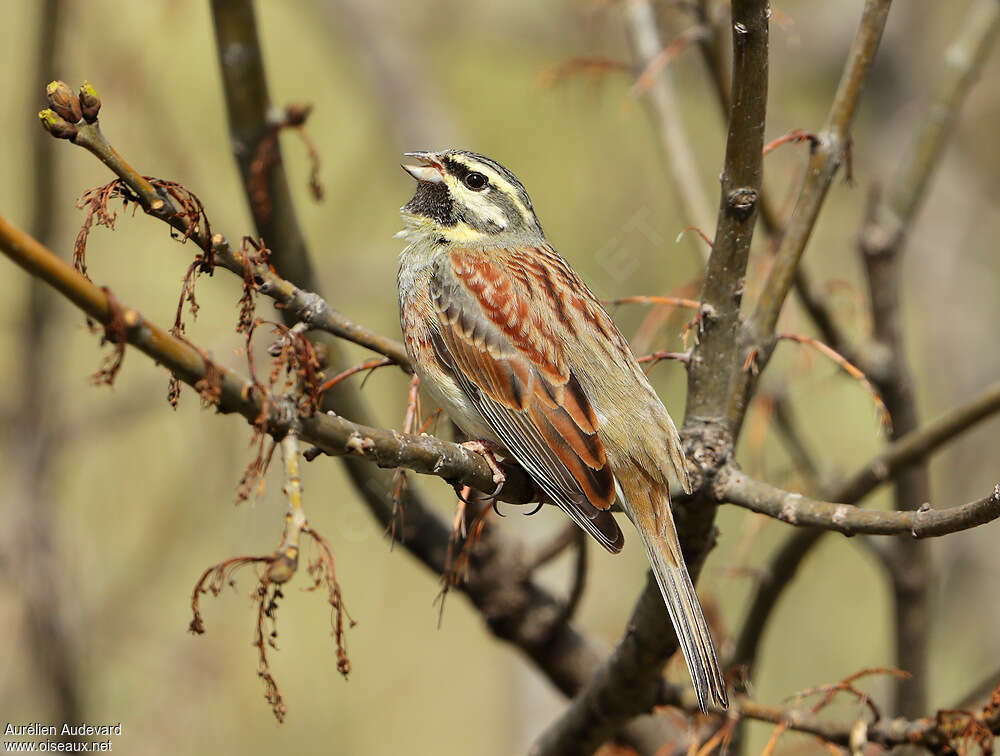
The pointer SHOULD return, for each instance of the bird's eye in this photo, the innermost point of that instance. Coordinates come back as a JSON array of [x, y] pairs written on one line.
[[476, 181]]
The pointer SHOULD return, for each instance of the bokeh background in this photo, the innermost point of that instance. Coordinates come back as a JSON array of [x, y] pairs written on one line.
[[113, 504]]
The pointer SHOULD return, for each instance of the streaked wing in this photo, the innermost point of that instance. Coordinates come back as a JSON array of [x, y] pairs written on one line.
[[501, 348]]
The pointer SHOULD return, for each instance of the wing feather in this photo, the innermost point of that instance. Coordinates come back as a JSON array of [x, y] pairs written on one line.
[[497, 342]]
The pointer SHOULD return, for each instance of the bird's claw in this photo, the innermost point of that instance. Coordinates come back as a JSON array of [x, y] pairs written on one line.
[[487, 451]]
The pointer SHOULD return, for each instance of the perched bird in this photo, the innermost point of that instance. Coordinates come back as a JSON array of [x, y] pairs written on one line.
[[512, 344]]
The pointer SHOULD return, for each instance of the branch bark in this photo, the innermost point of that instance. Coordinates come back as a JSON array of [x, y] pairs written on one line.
[[714, 361]]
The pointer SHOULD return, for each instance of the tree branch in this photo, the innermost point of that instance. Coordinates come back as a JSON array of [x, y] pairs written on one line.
[[304, 306], [733, 486], [882, 240], [978, 33], [910, 449], [627, 683], [829, 152], [814, 304], [931, 732], [334, 435], [826, 159], [715, 357]]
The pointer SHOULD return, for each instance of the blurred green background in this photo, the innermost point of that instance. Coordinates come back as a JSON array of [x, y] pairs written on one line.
[[136, 500]]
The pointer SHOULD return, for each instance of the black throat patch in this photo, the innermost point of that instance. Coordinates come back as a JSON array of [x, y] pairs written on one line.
[[433, 200]]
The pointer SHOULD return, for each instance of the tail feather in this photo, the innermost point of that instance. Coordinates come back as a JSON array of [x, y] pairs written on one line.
[[655, 523]]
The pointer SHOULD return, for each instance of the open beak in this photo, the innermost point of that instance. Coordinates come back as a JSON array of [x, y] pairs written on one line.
[[429, 169]]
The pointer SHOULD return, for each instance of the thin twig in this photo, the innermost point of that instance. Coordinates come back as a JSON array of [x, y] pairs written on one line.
[[692, 304], [848, 367], [300, 304], [369, 365]]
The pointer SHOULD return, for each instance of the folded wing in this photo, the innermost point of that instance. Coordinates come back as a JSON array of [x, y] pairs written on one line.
[[498, 343]]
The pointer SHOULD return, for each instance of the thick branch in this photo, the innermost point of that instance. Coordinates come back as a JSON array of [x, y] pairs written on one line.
[[714, 360]]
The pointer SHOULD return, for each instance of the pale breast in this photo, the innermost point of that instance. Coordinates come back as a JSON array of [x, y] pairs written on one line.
[[417, 318]]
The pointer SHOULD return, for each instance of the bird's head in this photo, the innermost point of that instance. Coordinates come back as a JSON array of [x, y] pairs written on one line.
[[464, 197]]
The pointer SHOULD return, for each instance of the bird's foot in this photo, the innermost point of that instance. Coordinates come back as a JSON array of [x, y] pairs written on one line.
[[487, 450]]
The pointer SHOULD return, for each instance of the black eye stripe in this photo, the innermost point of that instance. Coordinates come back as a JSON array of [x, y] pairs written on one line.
[[457, 169]]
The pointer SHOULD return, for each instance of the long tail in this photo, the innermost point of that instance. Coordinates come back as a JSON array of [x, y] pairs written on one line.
[[649, 509]]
